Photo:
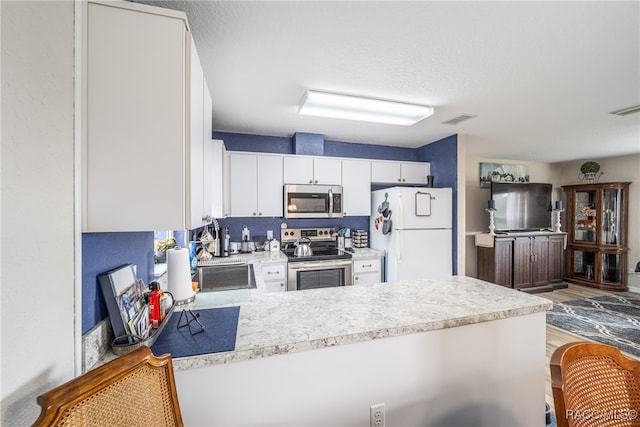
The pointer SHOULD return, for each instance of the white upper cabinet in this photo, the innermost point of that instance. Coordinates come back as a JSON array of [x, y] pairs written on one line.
[[298, 170], [309, 170], [255, 185], [217, 168], [385, 172], [139, 158], [243, 184], [197, 214], [415, 173], [356, 187], [327, 171]]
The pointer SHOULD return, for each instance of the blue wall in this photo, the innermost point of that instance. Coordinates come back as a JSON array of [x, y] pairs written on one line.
[[284, 145], [104, 251]]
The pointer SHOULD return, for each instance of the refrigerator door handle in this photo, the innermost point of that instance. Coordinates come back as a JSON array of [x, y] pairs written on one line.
[[400, 245], [401, 209]]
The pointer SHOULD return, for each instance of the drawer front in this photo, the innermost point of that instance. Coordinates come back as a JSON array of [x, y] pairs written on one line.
[[274, 272], [366, 265]]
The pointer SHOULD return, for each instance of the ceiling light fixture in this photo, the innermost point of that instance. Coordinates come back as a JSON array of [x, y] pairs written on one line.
[[326, 104], [627, 111]]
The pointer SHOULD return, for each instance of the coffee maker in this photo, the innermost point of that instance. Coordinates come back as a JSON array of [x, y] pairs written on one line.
[[223, 240]]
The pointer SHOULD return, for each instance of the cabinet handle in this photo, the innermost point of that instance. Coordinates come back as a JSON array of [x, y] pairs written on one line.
[[254, 214], [260, 213], [403, 180], [310, 181], [206, 218], [357, 278], [316, 181], [367, 266], [399, 180]]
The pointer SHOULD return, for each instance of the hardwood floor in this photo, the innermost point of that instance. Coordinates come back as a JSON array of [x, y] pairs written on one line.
[[556, 336]]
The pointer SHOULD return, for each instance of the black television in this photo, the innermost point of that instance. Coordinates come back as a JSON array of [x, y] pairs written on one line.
[[521, 206]]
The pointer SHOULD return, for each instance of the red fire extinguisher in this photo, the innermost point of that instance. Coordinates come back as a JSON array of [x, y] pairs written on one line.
[[155, 296]]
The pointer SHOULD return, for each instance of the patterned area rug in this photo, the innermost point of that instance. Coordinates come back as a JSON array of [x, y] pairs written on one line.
[[611, 319]]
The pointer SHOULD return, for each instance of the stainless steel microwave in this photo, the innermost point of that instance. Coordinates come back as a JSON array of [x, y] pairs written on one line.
[[312, 201]]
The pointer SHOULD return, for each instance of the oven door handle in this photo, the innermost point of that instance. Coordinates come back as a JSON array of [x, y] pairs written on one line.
[[325, 265]]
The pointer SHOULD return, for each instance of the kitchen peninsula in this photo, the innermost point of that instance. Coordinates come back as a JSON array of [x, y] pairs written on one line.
[[458, 351]]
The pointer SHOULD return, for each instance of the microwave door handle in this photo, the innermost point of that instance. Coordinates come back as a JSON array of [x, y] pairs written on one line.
[[330, 203]]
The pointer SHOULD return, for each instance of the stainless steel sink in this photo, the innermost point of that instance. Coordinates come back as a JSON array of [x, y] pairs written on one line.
[[226, 277]]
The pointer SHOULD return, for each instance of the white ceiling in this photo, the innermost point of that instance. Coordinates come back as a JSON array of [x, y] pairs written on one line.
[[541, 77]]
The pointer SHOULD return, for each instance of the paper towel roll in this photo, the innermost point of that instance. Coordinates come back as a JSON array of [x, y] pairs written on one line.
[[179, 275]]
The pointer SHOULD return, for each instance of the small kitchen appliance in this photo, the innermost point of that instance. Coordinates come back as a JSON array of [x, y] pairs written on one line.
[[224, 239], [312, 201]]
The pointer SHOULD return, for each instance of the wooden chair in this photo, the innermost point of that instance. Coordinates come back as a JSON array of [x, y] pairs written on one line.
[[595, 385], [137, 389]]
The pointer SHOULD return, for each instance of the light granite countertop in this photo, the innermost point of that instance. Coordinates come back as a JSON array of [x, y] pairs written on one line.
[[358, 253], [280, 323]]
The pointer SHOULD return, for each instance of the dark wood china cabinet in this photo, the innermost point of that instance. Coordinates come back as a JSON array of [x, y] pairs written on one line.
[[596, 218]]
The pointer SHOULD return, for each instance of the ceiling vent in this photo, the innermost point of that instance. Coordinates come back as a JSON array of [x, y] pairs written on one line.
[[627, 111], [460, 118]]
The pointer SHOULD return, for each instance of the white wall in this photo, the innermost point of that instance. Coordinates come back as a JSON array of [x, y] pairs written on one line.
[[484, 374], [37, 235]]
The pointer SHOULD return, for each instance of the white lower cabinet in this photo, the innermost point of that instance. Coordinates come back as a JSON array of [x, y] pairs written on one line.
[[275, 277], [367, 271]]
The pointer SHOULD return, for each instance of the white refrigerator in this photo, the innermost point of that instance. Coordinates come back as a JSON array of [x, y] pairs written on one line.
[[413, 226]]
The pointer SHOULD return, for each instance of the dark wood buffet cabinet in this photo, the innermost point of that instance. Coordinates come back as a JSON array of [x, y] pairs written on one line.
[[531, 262], [596, 218]]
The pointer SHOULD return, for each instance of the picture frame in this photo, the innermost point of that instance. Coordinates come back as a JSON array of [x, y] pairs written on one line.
[[502, 172]]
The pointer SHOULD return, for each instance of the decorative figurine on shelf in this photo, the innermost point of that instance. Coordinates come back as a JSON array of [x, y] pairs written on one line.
[[491, 208], [589, 172], [556, 213]]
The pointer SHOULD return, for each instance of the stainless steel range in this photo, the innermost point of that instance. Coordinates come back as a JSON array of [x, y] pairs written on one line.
[[326, 266]]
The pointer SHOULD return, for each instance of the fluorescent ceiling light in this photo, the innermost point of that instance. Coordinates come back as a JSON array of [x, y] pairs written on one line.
[[325, 104]]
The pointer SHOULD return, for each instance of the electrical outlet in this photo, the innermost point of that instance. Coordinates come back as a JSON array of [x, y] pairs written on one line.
[[376, 413]]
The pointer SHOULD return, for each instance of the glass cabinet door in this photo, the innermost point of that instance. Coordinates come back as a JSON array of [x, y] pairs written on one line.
[[585, 220], [611, 267], [584, 264], [611, 218]]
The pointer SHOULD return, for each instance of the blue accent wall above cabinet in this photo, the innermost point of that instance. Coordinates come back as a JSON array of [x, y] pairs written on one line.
[[285, 145], [308, 144]]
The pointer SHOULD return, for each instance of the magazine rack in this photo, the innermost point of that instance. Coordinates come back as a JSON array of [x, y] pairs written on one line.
[[128, 313]]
